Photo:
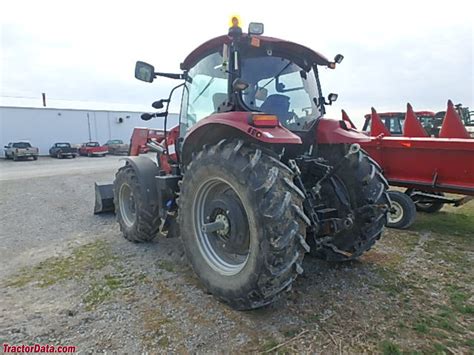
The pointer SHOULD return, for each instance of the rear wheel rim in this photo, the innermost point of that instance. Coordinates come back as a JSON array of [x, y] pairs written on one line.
[[227, 249], [396, 214], [127, 205]]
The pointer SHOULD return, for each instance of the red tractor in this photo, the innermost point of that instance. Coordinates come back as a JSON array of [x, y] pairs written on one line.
[[253, 177]]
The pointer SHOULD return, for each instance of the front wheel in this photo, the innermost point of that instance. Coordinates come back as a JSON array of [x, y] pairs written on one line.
[[242, 224], [138, 220]]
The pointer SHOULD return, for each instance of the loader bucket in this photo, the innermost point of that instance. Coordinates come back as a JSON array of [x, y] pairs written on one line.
[[104, 198]]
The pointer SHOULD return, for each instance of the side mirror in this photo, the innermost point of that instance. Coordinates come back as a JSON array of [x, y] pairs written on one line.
[[338, 58], [159, 104], [6, 146], [149, 116], [332, 97], [144, 72]]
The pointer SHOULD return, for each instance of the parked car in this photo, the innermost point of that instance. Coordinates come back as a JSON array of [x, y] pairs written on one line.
[[93, 149], [117, 147], [61, 150], [21, 150]]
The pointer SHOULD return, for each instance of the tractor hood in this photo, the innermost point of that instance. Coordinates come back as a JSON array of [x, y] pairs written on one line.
[[265, 42]]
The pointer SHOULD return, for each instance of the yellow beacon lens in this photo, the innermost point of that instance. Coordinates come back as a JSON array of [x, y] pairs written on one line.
[[235, 21]]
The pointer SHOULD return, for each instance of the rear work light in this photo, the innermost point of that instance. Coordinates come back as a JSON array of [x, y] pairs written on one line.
[[263, 120]]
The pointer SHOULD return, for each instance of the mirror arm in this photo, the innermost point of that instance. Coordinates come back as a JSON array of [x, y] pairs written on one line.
[[170, 75]]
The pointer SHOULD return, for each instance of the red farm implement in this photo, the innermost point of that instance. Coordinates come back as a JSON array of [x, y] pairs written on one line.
[[427, 166]]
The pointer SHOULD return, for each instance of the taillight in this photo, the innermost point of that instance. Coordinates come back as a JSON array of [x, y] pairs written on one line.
[[263, 120]]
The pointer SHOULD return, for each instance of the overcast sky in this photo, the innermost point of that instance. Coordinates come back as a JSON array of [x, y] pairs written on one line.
[[82, 53]]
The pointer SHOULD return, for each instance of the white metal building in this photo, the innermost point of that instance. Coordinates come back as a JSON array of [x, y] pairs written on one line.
[[45, 126]]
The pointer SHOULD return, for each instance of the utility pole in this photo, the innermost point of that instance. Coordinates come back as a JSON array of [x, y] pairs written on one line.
[[89, 126]]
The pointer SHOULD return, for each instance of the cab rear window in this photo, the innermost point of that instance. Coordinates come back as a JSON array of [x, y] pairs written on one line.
[[21, 145]]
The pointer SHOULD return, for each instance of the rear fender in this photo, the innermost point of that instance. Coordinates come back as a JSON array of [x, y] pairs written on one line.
[[331, 131], [216, 127], [146, 171]]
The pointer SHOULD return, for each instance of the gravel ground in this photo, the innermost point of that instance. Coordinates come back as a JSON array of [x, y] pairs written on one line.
[[68, 277]]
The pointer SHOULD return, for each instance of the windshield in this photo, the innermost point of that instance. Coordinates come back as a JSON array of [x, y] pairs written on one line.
[[22, 145], [281, 87], [63, 145], [115, 141], [92, 144]]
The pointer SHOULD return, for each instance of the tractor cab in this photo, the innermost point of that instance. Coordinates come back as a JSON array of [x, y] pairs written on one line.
[[248, 72]]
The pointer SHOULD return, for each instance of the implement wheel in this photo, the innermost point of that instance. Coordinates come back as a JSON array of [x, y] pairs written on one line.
[[403, 211], [242, 224]]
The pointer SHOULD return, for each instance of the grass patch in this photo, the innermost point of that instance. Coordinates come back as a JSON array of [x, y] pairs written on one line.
[[102, 290], [459, 300], [269, 343], [391, 282], [421, 327], [389, 348], [440, 349], [445, 223], [166, 265], [86, 258]]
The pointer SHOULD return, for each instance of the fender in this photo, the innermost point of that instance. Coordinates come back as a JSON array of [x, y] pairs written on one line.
[[331, 131], [218, 126], [146, 170]]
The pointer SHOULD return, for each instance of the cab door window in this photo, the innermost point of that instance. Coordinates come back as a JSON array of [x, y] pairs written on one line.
[[205, 90]]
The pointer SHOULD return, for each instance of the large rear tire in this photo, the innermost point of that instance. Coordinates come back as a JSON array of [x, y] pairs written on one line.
[[138, 221], [257, 251], [357, 184]]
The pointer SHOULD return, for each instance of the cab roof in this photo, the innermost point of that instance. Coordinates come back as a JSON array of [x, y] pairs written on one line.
[[294, 48]]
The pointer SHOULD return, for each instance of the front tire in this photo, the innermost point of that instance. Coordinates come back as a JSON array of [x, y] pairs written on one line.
[[258, 249], [138, 221]]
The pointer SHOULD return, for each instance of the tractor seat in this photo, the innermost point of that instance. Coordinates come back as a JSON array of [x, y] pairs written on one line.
[[277, 104], [219, 99]]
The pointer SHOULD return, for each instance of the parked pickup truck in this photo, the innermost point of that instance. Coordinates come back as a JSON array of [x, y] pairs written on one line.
[[93, 149], [20, 150], [61, 150], [117, 147]]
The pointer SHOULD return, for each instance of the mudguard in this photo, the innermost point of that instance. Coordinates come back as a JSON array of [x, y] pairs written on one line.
[[146, 170], [235, 124]]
